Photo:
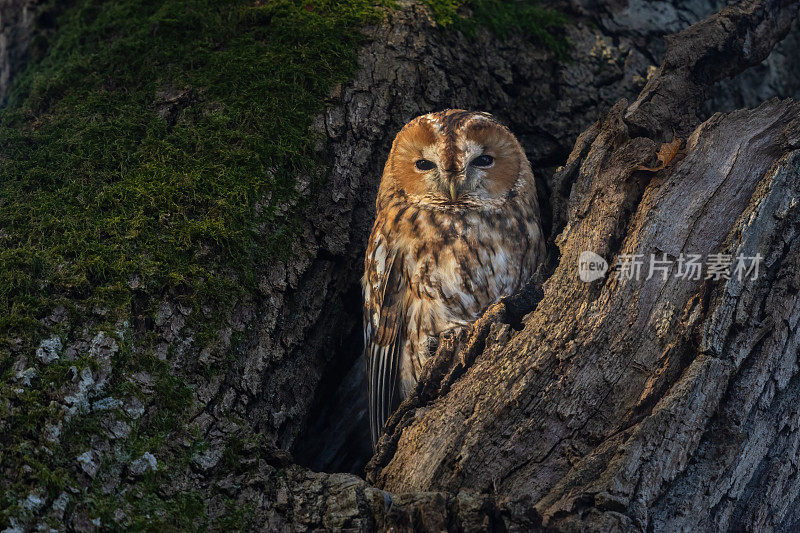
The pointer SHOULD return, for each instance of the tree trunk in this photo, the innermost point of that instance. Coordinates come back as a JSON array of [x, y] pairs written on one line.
[[656, 403], [623, 404], [638, 404]]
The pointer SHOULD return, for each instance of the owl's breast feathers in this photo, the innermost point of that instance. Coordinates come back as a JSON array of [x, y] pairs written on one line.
[[428, 270]]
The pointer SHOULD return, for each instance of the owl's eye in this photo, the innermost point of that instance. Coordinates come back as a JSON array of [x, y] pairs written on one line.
[[483, 161], [424, 164]]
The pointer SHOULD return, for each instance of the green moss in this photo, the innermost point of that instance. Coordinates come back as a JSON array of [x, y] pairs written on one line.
[[154, 140], [502, 17], [238, 517], [156, 149]]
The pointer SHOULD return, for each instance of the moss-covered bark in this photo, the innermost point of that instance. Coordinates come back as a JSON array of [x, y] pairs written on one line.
[[186, 189], [159, 164]]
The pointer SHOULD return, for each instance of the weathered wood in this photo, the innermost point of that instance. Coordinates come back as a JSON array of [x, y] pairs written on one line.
[[652, 403], [660, 404], [738, 37]]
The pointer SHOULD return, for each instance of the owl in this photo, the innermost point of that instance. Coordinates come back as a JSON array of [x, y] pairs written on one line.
[[457, 227]]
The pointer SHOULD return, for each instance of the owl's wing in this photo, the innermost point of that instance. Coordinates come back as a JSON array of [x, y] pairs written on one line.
[[384, 319]]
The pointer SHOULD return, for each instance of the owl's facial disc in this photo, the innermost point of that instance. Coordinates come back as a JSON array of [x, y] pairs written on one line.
[[455, 158]]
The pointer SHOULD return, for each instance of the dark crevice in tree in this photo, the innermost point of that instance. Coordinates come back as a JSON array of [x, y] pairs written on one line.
[[335, 437]]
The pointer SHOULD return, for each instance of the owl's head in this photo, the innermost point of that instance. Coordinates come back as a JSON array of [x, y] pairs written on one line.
[[455, 158]]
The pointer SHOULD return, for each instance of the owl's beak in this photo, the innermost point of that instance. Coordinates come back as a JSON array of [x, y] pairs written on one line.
[[453, 180]]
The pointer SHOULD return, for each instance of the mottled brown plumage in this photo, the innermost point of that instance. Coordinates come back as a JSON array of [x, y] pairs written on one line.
[[457, 227]]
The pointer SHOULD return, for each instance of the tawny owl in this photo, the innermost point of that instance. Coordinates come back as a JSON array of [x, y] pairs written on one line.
[[457, 227]]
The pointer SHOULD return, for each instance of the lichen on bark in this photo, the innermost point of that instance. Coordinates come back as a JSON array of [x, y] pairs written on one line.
[[134, 380]]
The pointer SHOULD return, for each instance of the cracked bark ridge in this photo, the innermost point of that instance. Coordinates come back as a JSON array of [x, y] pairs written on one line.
[[721, 46]]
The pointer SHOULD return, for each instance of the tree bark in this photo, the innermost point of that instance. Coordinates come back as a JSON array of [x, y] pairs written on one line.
[[545, 102], [655, 404], [645, 404]]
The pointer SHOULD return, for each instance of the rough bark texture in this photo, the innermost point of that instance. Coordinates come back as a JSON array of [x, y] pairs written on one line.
[[656, 404], [741, 36], [546, 103], [594, 411]]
